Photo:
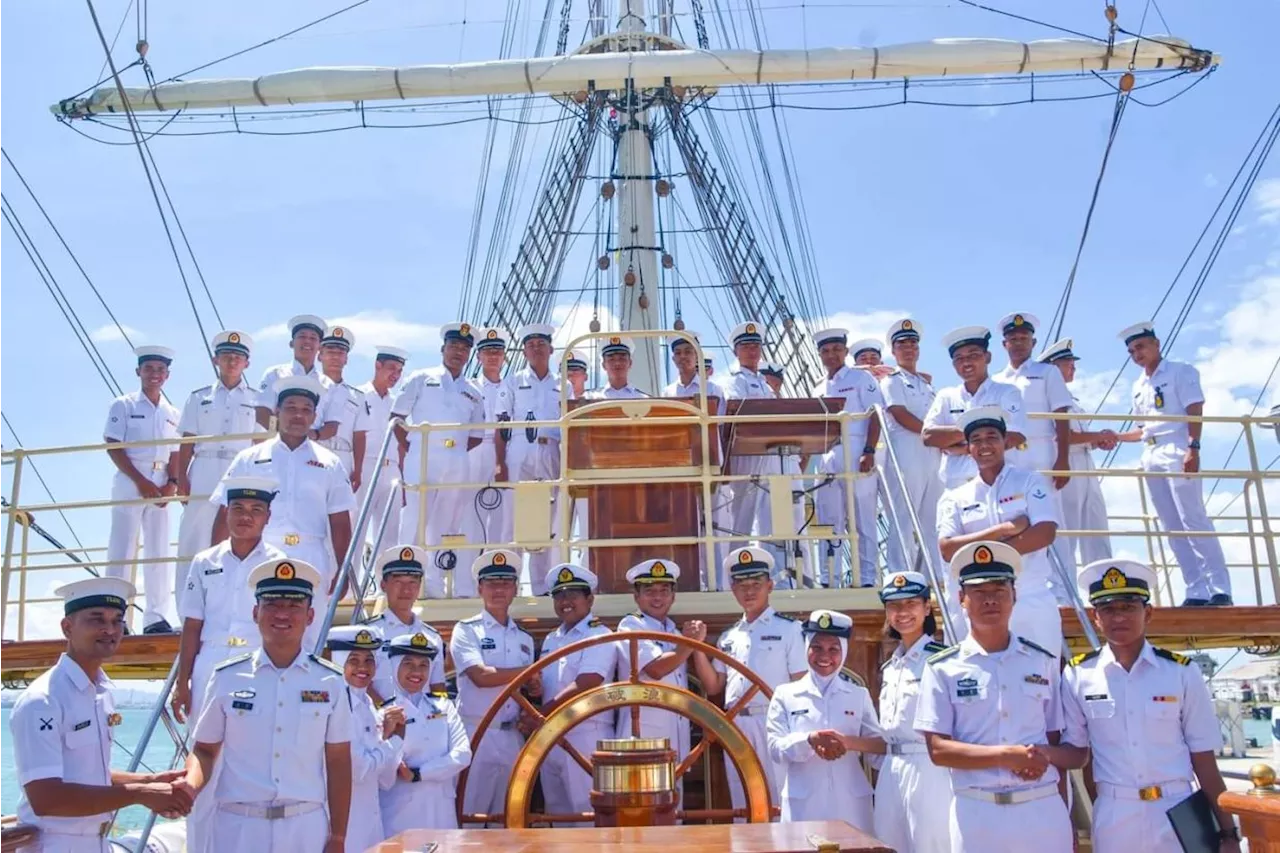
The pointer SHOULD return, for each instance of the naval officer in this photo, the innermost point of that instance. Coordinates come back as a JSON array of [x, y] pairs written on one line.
[[785, 575], [615, 358], [1043, 390], [764, 641], [144, 472], [990, 709], [818, 725], [489, 650], [575, 370], [62, 726], [278, 722], [1145, 714], [388, 365], [747, 511], [1011, 505], [305, 332], [224, 408], [342, 418], [1173, 388], [489, 460], [911, 790], [969, 348], [401, 568], [565, 785], [440, 395]]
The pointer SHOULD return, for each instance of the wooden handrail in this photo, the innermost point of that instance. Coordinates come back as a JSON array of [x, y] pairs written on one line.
[[1258, 810]]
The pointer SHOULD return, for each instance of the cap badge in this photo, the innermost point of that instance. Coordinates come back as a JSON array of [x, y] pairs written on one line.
[[338, 332], [983, 555], [900, 580], [615, 340], [571, 356], [464, 329], [751, 328], [1114, 579], [285, 572], [499, 559], [906, 325], [233, 338], [492, 334], [744, 557], [419, 641], [1018, 320], [658, 571], [565, 576], [364, 638], [824, 621], [406, 553]]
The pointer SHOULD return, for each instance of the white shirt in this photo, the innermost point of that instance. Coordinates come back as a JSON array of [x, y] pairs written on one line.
[[798, 709], [651, 650], [218, 591], [680, 389], [747, 384], [900, 690], [373, 760], [313, 485], [499, 397], [267, 387], [273, 725], [61, 729], [1081, 455], [600, 660], [1143, 724], [345, 405], [911, 391], [436, 396], [218, 410], [435, 740], [1043, 390], [772, 647], [379, 421], [384, 678], [1001, 699], [1168, 391], [608, 392], [976, 506], [953, 402], [860, 391], [483, 641], [134, 418], [535, 400]]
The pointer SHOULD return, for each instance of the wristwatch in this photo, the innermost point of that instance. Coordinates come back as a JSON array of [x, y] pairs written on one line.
[[417, 775], [868, 449], [1195, 445]]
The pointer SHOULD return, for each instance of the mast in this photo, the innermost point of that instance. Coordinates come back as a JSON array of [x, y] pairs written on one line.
[[637, 304]]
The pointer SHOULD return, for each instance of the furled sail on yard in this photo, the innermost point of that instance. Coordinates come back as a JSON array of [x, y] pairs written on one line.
[[563, 74]]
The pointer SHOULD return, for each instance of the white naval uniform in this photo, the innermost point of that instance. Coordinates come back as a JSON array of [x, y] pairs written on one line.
[[653, 722], [976, 506], [345, 405], [212, 410], [533, 453], [134, 418], [61, 729], [313, 486], [747, 511], [1043, 390], [860, 391], [918, 465], [495, 525], [1179, 501], [273, 725], [1005, 698], [483, 641], [1083, 506], [954, 401], [565, 785], [436, 745], [913, 795], [1142, 726], [435, 395], [814, 788], [379, 423], [679, 390], [267, 397], [773, 648], [374, 761], [384, 678]]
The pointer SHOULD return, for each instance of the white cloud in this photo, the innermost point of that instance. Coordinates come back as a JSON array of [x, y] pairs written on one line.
[[872, 324], [372, 328], [1210, 180], [111, 333], [1266, 195]]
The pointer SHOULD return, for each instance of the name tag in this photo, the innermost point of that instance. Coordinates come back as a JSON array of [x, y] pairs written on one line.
[[1095, 697], [206, 402], [315, 695], [213, 571], [799, 713], [241, 705], [771, 637], [82, 726], [138, 417], [432, 383], [1037, 678], [487, 644], [967, 687]]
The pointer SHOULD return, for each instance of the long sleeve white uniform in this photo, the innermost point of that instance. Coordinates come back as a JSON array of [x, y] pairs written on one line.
[[436, 745]]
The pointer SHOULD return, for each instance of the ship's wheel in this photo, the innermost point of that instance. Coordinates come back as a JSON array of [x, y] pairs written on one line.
[[633, 693]]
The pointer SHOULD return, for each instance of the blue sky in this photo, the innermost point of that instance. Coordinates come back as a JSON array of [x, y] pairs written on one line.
[[955, 216]]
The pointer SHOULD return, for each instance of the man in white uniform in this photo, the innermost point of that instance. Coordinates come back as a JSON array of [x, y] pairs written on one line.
[[860, 392], [788, 575], [144, 473], [575, 369], [1083, 506], [1011, 505], [489, 461], [489, 650], [401, 568], [224, 408], [279, 720], [305, 332], [615, 358], [748, 504], [1146, 715], [343, 418], [764, 641], [1043, 390], [441, 395], [61, 732], [1173, 388], [566, 786], [388, 365], [311, 513], [969, 348], [990, 709]]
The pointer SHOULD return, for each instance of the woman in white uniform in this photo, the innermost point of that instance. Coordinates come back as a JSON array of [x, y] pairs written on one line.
[[816, 727], [376, 742], [912, 794], [436, 747]]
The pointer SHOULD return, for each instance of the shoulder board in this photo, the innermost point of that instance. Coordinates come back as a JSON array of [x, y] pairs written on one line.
[[636, 613], [594, 622], [1079, 659], [844, 676], [933, 647], [887, 661], [440, 694], [205, 390], [784, 616], [943, 655], [233, 661], [1173, 656], [327, 664], [479, 617], [1032, 645]]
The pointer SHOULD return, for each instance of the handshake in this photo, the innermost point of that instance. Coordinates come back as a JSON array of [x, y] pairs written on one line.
[[828, 744], [1027, 762], [167, 794]]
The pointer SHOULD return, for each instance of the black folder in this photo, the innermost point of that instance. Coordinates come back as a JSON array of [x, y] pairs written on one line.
[[1195, 824]]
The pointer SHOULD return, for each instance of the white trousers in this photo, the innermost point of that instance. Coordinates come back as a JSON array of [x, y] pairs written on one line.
[[829, 503], [157, 578], [525, 463], [566, 786], [910, 796], [491, 766], [51, 842], [1036, 615], [381, 495], [449, 512], [419, 805], [1039, 826], [195, 530], [494, 525], [753, 728], [1179, 501], [304, 833], [747, 509], [1132, 826], [1084, 508], [919, 467], [856, 811]]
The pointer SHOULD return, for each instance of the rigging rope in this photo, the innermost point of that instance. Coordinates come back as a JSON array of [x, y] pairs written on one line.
[[1239, 438], [30, 461]]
